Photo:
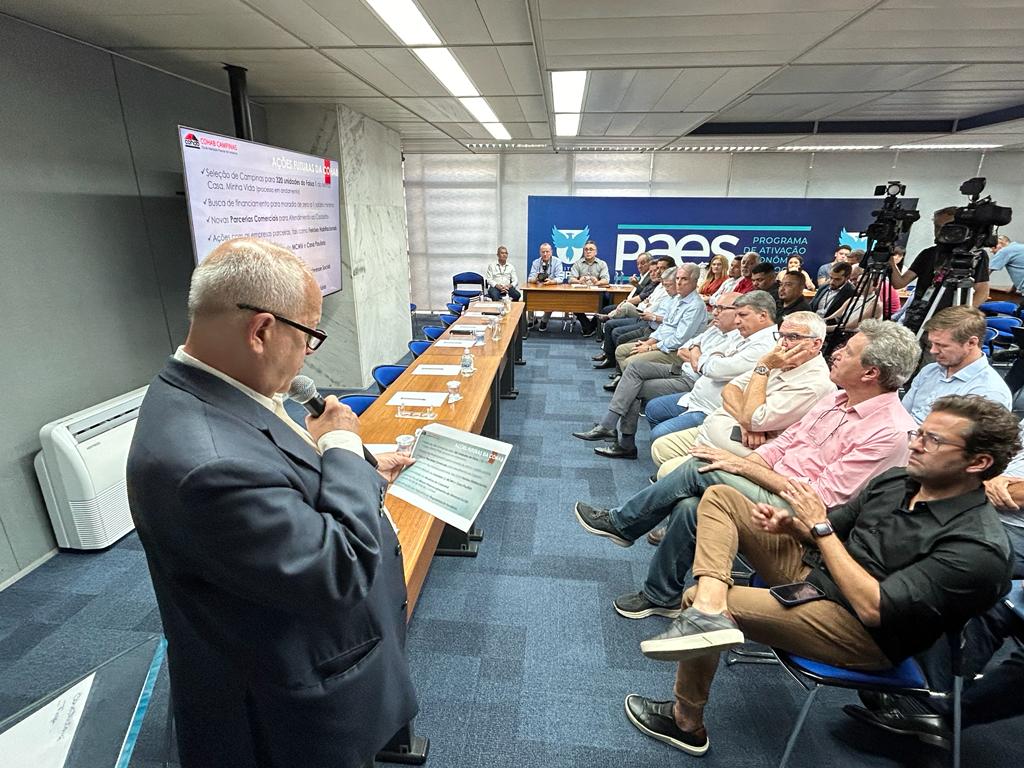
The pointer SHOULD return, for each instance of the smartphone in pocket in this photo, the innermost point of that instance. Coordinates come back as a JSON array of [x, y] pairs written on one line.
[[736, 435], [797, 593]]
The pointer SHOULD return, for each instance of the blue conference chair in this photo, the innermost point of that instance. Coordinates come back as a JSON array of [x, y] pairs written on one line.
[[986, 344], [447, 320], [418, 347], [412, 308], [455, 309], [1004, 328], [462, 301], [467, 284], [384, 375], [358, 403], [993, 308], [433, 332]]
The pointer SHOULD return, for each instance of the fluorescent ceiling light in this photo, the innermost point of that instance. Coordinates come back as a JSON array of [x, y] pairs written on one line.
[[945, 146], [567, 88], [497, 130], [567, 125], [447, 70], [406, 21], [830, 147], [480, 109]]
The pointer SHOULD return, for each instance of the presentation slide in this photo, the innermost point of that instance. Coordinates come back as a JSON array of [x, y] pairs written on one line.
[[239, 188]]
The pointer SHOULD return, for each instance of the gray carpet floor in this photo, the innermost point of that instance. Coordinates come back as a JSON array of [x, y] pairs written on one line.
[[518, 657]]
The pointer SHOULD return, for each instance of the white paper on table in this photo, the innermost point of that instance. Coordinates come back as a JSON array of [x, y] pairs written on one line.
[[418, 398], [464, 343], [436, 370], [477, 314], [454, 473], [378, 448], [43, 739]]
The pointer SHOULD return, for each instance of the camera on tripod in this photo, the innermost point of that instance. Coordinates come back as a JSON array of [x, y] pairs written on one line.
[[972, 228], [891, 222]]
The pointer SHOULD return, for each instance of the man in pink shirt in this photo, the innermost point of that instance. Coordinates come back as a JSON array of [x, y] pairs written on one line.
[[840, 444]]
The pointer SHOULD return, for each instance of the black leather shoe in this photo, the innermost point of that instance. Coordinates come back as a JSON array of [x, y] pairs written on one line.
[[604, 364], [616, 451], [542, 328], [655, 537], [927, 728], [611, 385], [598, 358], [597, 433], [655, 719], [598, 522]]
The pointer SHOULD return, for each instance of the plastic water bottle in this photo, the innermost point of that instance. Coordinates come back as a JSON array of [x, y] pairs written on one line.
[[466, 364], [618, 277]]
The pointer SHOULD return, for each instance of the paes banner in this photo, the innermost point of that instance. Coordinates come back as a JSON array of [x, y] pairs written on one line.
[[694, 228]]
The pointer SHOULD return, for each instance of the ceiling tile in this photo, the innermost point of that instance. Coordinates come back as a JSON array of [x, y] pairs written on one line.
[[407, 68], [730, 86], [851, 78], [437, 109], [456, 21], [301, 20], [484, 67], [507, 21], [540, 130], [507, 109], [647, 88], [669, 125], [333, 85], [381, 110], [355, 20], [533, 108], [363, 64], [623, 124], [521, 68], [595, 124], [606, 88]]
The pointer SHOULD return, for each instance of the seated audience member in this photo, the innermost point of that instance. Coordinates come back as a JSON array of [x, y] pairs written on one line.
[[501, 277], [1010, 256], [646, 290], [785, 383], [643, 380], [718, 273], [730, 282], [748, 261], [916, 554], [763, 277], [834, 292], [685, 320], [625, 337], [795, 263], [996, 696], [791, 294], [839, 258], [642, 288], [636, 320], [588, 270], [837, 446], [960, 367], [545, 270], [755, 321], [854, 258], [857, 309]]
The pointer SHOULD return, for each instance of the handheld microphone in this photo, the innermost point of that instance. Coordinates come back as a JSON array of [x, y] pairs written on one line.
[[304, 392]]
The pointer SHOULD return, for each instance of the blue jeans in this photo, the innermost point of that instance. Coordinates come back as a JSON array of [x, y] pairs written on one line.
[[678, 494], [667, 416]]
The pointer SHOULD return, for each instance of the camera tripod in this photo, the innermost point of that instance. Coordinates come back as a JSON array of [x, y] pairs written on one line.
[[874, 280]]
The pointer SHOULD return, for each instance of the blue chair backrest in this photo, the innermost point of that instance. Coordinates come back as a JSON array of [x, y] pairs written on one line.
[[1003, 325], [358, 403], [463, 301], [468, 278], [419, 347], [986, 344], [433, 332], [412, 307], [455, 309], [384, 375], [447, 320], [992, 308]]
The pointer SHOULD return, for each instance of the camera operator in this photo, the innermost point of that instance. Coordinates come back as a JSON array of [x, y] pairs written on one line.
[[927, 271]]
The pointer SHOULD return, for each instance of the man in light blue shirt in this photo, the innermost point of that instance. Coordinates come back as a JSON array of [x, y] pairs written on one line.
[[1011, 258], [684, 320], [960, 367], [545, 270]]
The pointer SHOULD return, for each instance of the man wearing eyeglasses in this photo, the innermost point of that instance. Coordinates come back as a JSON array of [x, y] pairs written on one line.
[[277, 572], [838, 445], [915, 555]]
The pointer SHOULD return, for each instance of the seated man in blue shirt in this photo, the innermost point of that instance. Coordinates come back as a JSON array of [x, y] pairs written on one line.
[[1011, 258], [960, 367], [545, 270]]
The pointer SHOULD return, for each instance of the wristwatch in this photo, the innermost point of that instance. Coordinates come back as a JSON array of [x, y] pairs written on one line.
[[762, 370], [820, 530]]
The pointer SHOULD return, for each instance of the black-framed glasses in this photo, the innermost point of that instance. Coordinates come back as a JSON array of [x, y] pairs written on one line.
[[722, 307], [842, 420], [930, 441], [791, 336], [314, 336]]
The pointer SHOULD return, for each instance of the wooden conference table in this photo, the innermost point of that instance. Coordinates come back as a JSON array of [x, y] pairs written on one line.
[[478, 411], [561, 297]]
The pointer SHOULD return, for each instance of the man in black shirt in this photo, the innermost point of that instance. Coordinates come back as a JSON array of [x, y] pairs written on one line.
[[791, 295], [928, 272], [917, 553]]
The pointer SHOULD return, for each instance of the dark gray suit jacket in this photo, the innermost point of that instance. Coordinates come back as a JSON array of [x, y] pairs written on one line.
[[279, 582]]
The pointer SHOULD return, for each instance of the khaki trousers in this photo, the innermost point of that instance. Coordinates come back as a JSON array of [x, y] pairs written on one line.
[[820, 630], [673, 449]]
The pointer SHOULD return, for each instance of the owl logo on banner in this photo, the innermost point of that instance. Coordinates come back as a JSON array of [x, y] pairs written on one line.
[[853, 239], [569, 243]]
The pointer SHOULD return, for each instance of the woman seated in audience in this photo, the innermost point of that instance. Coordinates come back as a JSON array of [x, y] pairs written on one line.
[[795, 263], [718, 273]]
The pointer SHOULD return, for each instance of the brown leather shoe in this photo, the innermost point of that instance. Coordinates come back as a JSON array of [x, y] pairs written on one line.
[[655, 537]]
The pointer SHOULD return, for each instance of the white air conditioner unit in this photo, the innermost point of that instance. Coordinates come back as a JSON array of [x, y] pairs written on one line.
[[81, 470]]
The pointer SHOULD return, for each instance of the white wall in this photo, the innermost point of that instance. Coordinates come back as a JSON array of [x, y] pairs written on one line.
[[460, 207]]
